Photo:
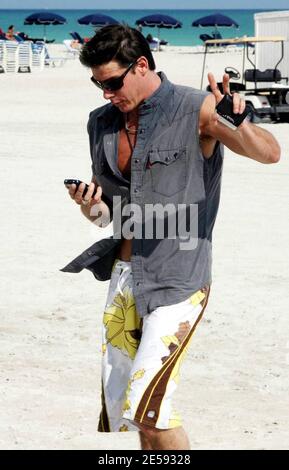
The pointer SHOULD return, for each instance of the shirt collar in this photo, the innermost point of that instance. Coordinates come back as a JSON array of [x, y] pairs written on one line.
[[158, 96]]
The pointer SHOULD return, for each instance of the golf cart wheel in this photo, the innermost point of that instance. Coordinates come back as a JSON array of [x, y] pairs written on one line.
[[284, 117]]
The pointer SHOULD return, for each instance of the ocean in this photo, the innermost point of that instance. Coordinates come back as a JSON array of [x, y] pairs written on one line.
[[186, 36]]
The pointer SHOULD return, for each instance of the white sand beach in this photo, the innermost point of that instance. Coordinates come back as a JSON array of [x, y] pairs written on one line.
[[234, 387]]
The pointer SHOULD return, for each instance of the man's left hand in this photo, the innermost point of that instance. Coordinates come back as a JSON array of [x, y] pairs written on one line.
[[239, 103]]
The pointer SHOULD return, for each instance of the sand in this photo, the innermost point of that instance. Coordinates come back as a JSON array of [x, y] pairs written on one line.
[[234, 388]]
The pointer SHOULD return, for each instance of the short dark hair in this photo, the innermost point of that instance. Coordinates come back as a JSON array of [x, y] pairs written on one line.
[[116, 42]]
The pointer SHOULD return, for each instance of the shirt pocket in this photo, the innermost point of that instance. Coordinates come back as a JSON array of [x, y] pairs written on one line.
[[168, 170]]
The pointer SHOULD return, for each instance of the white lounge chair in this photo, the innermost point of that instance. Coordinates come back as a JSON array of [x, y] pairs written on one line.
[[11, 56], [72, 51], [25, 56], [38, 56], [50, 60], [2, 56], [154, 46]]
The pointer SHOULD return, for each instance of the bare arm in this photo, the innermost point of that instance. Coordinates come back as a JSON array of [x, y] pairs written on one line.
[[248, 140]]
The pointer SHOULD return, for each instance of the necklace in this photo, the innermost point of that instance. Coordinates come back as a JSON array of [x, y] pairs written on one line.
[[129, 129]]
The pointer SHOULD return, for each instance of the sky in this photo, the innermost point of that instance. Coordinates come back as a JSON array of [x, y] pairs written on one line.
[[144, 4]]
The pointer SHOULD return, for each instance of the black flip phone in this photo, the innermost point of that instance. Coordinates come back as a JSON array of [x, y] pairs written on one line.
[[68, 182], [227, 116]]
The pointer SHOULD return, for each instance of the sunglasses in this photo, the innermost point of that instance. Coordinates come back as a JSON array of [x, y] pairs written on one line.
[[114, 83]]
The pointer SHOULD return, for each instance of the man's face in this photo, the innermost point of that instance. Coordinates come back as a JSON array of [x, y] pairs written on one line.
[[127, 97]]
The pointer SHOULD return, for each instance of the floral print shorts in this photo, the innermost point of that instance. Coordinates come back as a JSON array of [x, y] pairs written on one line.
[[141, 357]]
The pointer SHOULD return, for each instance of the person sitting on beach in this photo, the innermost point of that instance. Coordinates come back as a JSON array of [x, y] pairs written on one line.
[[75, 44], [158, 148], [2, 34], [10, 35], [149, 38]]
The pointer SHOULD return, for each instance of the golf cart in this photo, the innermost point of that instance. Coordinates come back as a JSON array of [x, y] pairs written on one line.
[[265, 92]]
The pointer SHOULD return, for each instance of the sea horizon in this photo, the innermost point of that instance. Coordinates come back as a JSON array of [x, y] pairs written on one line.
[[185, 36]]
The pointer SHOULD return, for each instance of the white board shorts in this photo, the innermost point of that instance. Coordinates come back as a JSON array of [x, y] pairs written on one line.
[[141, 357]]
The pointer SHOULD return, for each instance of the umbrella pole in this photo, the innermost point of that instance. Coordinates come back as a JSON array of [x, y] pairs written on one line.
[[159, 46], [44, 32], [243, 65], [215, 36], [204, 62]]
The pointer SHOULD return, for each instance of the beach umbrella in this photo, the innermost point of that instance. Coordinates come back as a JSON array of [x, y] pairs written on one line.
[[159, 21], [216, 20], [44, 18], [97, 20]]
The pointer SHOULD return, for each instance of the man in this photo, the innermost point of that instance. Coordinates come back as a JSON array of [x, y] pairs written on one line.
[[154, 143]]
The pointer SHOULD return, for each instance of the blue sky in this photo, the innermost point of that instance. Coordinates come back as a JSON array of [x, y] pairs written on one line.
[[140, 4]]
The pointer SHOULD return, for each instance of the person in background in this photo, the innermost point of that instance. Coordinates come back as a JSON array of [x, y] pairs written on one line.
[[75, 44], [10, 35], [2, 34]]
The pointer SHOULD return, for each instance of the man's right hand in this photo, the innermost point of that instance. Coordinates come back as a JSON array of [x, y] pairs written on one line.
[[93, 208], [77, 194]]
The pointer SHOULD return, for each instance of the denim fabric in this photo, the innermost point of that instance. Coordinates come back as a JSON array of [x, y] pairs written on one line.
[[167, 166]]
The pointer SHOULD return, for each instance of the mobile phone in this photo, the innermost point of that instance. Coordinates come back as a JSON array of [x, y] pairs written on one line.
[[227, 116], [68, 182]]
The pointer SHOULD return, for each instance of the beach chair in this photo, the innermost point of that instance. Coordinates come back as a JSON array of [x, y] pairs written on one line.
[[49, 60], [77, 37], [205, 37], [24, 57], [38, 56], [54, 61], [70, 50], [154, 46], [2, 57], [11, 56], [214, 35]]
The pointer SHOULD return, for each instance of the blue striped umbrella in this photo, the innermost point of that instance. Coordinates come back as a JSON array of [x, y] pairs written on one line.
[[159, 21], [216, 20], [44, 18], [97, 20]]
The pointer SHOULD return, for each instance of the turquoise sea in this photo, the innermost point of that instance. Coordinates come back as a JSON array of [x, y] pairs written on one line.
[[186, 36]]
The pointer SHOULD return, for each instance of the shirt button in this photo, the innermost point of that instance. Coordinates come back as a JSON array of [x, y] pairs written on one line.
[[90, 253], [136, 160], [136, 253], [138, 283], [135, 190]]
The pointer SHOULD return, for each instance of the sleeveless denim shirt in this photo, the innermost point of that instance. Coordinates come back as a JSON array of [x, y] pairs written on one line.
[[167, 167]]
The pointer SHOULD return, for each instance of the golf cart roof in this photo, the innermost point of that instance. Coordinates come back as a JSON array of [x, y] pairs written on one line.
[[246, 39]]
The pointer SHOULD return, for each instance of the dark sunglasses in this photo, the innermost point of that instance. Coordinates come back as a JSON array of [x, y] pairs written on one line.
[[114, 83]]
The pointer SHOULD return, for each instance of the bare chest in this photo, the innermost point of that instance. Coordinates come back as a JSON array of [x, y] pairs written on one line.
[[125, 148]]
